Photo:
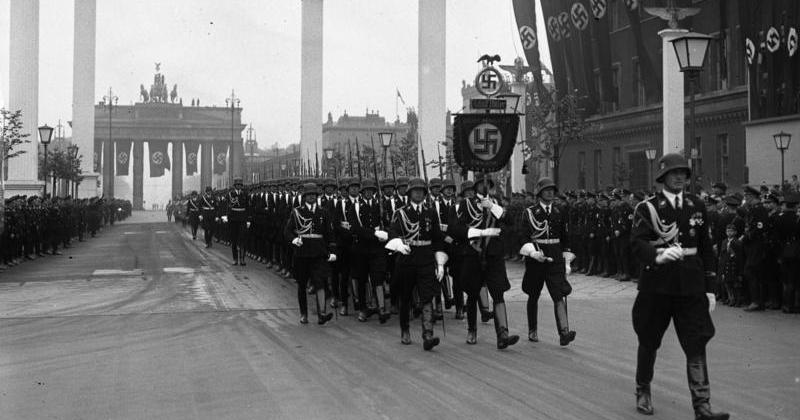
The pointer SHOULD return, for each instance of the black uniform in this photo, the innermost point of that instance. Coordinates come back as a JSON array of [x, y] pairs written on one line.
[[208, 211], [238, 218]]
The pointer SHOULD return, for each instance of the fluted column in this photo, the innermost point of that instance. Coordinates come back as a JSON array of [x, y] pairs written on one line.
[[177, 168], [138, 169], [311, 78], [431, 76], [83, 90], [205, 165]]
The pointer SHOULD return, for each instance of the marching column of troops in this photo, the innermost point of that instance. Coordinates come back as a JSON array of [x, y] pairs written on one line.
[[35, 227], [407, 247]]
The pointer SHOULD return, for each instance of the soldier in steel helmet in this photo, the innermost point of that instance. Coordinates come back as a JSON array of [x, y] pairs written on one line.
[[670, 238], [239, 219], [547, 256]]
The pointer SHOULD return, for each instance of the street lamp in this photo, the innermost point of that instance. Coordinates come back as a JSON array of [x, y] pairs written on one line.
[[233, 102], [691, 49], [650, 153], [45, 135], [782, 141], [386, 142]]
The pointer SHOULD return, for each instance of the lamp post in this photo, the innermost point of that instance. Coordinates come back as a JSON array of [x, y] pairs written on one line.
[[691, 49], [45, 135], [650, 153], [782, 141], [386, 142], [233, 102]]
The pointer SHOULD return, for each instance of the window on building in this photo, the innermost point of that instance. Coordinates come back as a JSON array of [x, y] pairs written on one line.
[[615, 78], [616, 169], [722, 157], [638, 93], [582, 170], [737, 57], [715, 76], [598, 167]]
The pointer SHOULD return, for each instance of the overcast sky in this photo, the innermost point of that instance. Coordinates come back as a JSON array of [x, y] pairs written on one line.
[[209, 47]]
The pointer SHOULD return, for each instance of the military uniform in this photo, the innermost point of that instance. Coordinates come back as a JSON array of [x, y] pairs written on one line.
[[239, 218], [208, 207]]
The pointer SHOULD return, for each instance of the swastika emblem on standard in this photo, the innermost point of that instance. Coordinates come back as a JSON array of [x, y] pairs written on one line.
[[773, 40], [122, 158], [579, 15], [528, 37], [599, 8], [220, 158], [489, 82], [192, 158], [563, 21], [158, 158], [552, 28], [791, 42], [485, 141]]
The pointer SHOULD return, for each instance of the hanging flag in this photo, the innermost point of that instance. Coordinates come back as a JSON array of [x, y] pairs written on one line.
[[159, 160], [220, 157], [191, 157], [399, 96], [650, 78], [525, 13], [98, 153], [600, 33], [123, 157], [554, 41]]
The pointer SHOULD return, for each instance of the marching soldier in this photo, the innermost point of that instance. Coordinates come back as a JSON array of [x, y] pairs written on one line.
[[344, 220], [788, 241], [416, 236], [369, 253], [670, 238], [238, 220], [207, 215], [310, 233], [193, 211], [481, 224], [547, 256]]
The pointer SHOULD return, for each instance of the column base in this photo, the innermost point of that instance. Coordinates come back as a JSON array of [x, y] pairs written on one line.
[[88, 186], [23, 187]]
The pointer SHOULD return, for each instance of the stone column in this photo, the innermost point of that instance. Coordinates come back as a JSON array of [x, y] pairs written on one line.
[[138, 169], [177, 168], [311, 78], [431, 76], [23, 81], [205, 164], [108, 168], [674, 122], [83, 80]]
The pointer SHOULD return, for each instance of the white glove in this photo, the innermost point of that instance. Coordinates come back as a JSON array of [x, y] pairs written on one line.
[[345, 225], [224, 219], [489, 232], [298, 241], [567, 267], [712, 302], [397, 245], [670, 254], [568, 256], [216, 219], [439, 272], [331, 257], [248, 225], [527, 249], [539, 256], [486, 203], [441, 258], [200, 218], [497, 211], [381, 235]]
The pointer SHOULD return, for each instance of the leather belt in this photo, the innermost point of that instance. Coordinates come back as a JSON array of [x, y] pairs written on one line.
[[547, 241], [208, 208], [418, 243], [311, 236], [235, 209]]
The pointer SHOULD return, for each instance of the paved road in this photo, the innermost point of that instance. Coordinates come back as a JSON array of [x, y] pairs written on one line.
[[144, 323]]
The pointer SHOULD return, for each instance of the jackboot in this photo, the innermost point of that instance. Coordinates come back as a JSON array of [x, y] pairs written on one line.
[[532, 308], [322, 309], [562, 323], [697, 373], [429, 341], [644, 402], [501, 327], [405, 337], [472, 337], [383, 315]]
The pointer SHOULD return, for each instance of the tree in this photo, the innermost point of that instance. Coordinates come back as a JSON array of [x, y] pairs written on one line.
[[11, 135], [61, 165], [404, 156], [557, 121]]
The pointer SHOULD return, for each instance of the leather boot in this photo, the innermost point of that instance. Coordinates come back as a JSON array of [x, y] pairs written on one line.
[[562, 323], [697, 373], [383, 315], [322, 314], [483, 305], [405, 337], [428, 339], [472, 337], [501, 327], [644, 402], [532, 308], [533, 336]]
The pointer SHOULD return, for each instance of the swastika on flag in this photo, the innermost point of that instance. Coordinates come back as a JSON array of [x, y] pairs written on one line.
[[528, 37], [579, 15], [563, 22], [791, 42], [485, 140], [158, 158], [773, 39], [552, 28], [599, 8], [750, 50]]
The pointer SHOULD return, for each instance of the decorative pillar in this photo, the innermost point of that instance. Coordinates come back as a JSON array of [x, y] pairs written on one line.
[[83, 80], [138, 169], [205, 164], [23, 81], [431, 76], [674, 123], [177, 168], [311, 79]]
